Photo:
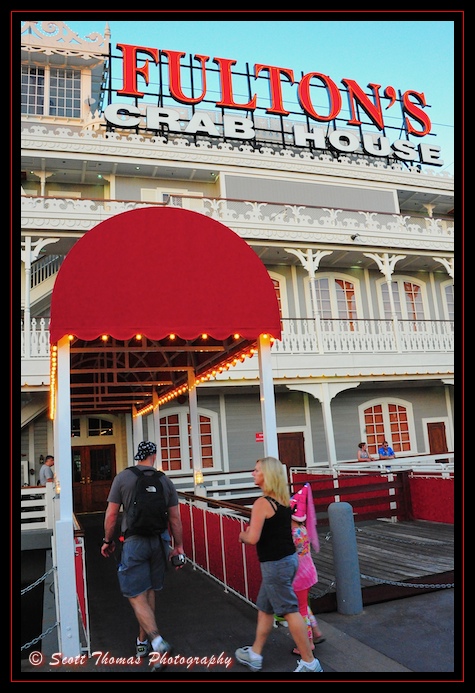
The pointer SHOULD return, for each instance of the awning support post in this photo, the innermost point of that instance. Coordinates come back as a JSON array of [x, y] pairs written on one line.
[[195, 430], [69, 641], [266, 384]]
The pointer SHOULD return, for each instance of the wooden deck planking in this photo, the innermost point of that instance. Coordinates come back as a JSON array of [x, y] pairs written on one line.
[[389, 551]]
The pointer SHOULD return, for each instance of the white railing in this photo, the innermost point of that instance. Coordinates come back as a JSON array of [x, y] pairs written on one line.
[[37, 507], [307, 216], [338, 337], [39, 339], [364, 336], [219, 485], [44, 268], [37, 502], [226, 486], [252, 214], [440, 464]]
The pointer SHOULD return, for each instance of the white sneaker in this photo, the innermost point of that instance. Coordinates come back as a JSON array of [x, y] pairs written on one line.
[[163, 650], [143, 649], [243, 656], [306, 666]]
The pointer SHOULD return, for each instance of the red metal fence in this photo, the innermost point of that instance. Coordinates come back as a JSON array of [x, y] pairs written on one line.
[[403, 495]]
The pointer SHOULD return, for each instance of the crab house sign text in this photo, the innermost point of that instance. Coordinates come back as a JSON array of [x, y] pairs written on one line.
[[321, 127]]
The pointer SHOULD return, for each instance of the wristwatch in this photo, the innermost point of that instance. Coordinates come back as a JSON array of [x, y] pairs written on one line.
[[104, 541]]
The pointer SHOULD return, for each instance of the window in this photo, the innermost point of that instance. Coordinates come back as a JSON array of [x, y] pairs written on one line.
[[99, 427], [175, 441], [407, 300], [448, 301], [276, 284], [170, 442], [75, 428], [336, 299], [32, 90], [51, 92], [279, 288], [173, 199], [388, 420], [206, 442]]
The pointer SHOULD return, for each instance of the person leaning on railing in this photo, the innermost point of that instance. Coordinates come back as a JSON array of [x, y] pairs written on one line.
[[386, 452], [363, 454]]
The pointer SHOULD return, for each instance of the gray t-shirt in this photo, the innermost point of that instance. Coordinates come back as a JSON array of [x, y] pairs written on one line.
[[123, 486], [46, 473]]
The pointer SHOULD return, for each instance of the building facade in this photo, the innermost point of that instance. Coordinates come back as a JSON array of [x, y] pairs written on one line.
[[357, 236]]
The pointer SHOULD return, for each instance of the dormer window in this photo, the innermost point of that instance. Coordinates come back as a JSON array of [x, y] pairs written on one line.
[[51, 91]]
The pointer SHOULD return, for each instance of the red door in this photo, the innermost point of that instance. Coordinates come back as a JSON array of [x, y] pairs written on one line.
[[437, 439], [93, 471], [291, 449]]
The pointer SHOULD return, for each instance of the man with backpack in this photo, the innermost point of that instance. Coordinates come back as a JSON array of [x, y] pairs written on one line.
[[150, 508]]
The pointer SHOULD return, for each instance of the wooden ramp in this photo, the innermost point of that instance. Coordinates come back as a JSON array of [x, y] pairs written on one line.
[[391, 556]]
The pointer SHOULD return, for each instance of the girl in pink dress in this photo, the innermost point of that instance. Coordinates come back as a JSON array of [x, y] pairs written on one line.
[[304, 533]]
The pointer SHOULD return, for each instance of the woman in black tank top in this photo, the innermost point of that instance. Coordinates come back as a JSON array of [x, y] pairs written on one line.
[[270, 531]]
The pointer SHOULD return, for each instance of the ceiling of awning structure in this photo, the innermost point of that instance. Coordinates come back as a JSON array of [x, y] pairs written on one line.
[[115, 375], [151, 295]]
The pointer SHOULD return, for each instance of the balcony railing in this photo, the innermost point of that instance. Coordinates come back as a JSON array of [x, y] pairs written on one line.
[[336, 336], [251, 218], [317, 336], [39, 339], [44, 268]]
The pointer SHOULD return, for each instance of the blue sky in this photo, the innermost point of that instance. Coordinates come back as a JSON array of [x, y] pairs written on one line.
[[406, 54]]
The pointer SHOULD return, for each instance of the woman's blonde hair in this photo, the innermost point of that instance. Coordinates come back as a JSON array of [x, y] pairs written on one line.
[[275, 480]]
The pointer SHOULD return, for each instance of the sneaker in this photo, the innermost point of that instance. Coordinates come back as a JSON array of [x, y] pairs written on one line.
[[244, 656], [143, 649], [307, 667], [163, 649]]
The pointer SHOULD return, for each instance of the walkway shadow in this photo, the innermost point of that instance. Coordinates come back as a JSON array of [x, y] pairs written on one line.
[[204, 623]]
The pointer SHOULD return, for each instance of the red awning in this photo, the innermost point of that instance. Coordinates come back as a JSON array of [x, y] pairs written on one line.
[[157, 271]]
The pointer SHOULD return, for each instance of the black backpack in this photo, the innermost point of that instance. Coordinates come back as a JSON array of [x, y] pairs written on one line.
[[148, 512]]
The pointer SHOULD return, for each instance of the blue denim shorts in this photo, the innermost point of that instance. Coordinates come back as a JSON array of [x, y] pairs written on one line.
[[142, 566], [276, 594]]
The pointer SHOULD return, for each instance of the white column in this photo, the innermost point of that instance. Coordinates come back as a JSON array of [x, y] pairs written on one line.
[[386, 266], [311, 262], [129, 435], [450, 432], [137, 429], [194, 430], [328, 424], [27, 300], [325, 392], [316, 315], [266, 385], [69, 641], [156, 425]]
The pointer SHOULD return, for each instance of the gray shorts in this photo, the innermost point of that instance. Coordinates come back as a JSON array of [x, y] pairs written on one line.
[[276, 594], [142, 566]]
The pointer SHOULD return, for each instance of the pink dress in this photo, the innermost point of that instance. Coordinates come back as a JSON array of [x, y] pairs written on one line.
[[306, 575]]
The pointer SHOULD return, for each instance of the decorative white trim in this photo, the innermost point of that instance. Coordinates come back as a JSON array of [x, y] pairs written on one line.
[[57, 38], [302, 224], [219, 154]]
